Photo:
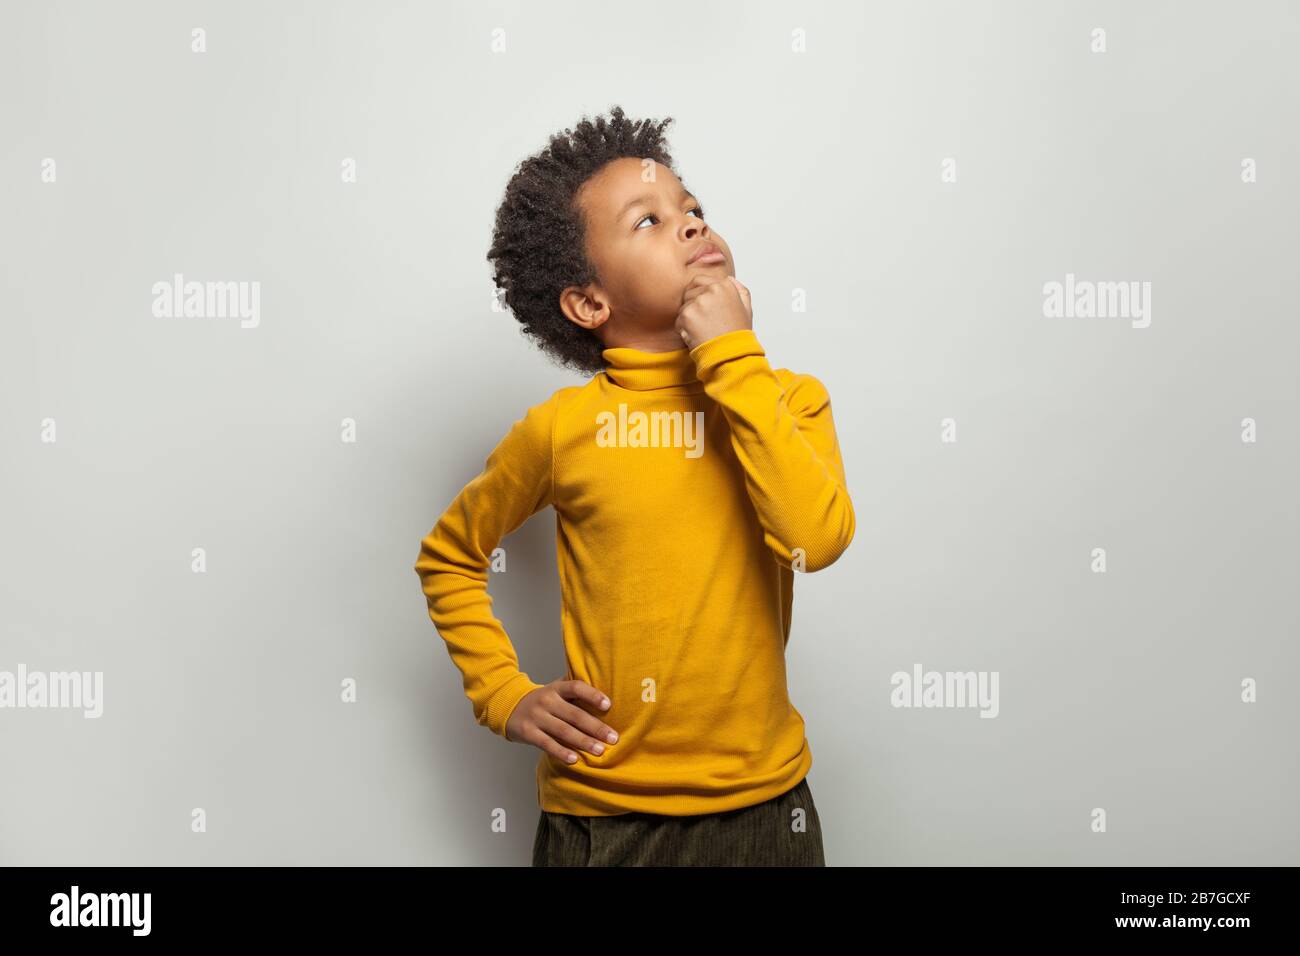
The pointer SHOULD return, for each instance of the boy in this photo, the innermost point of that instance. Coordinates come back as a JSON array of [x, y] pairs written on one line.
[[689, 480]]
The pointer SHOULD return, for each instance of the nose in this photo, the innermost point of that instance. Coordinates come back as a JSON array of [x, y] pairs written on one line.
[[695, 228]]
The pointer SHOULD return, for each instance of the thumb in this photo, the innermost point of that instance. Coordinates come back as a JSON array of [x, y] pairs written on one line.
[[744, 293]]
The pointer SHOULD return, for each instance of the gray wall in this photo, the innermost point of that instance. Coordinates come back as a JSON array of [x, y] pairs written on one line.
[[824, 169]]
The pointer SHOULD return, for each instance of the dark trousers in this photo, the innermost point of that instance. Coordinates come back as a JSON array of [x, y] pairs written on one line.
[[765, 834]]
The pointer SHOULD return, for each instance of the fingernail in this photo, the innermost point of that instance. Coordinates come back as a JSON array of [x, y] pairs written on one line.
[[598, 748], [571, 758], [612, 737], [604, 702]]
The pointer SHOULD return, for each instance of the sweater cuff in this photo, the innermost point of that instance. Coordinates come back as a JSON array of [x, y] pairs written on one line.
[[711, 353], [503, 703]]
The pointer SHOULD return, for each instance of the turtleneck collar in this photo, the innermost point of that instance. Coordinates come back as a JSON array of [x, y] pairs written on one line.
[[643, 371]]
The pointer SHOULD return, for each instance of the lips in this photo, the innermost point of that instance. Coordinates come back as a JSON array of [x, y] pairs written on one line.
[[706, 254]]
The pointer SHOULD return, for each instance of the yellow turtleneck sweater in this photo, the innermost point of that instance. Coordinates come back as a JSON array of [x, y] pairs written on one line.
[[686, 486]]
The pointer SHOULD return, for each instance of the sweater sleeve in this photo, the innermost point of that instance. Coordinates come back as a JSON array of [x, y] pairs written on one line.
[[784, 438], [456, 555]]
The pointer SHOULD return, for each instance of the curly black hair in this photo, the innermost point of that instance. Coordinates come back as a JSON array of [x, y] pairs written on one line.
[[538, 243]]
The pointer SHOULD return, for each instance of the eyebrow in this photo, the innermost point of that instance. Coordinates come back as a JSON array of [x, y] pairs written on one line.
[[646, 198]]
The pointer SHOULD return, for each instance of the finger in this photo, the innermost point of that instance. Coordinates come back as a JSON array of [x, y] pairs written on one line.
[[568, 735], [702, 279], [699, 284], [548, 744], [580, 690], [587, 723], [690, 295]]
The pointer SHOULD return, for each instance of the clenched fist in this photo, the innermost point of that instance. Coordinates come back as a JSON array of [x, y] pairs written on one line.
[[713, 306]]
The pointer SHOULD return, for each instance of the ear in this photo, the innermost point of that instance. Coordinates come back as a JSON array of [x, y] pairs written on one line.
[[584, 306]]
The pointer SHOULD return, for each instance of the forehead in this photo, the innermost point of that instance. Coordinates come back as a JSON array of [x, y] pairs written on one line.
[[620, 181]]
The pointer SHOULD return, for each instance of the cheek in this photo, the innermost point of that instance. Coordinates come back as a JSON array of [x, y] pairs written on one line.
[[642, 287], [665, 274], [653, 281]]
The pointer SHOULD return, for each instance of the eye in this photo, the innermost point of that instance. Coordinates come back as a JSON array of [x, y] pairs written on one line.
[[694, 209]]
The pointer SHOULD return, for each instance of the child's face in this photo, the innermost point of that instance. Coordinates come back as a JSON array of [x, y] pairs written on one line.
[[639, 237]]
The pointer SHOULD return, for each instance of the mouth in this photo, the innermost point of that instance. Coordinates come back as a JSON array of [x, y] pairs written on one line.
[[706, 255]]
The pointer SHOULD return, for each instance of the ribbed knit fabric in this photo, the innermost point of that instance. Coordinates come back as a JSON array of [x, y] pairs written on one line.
[[688, 486]]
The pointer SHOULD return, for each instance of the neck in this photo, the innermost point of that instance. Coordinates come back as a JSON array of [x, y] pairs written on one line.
[[668, 341], [644, 369]]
